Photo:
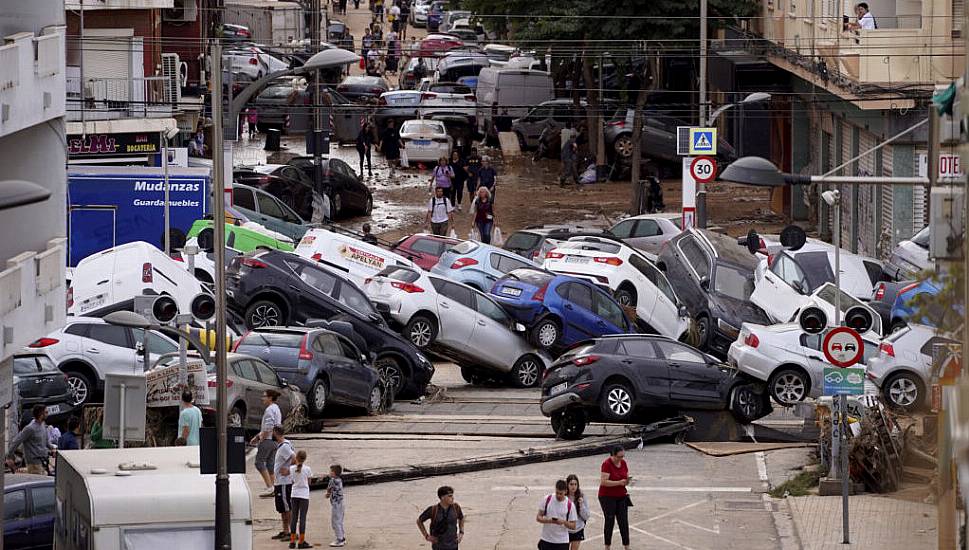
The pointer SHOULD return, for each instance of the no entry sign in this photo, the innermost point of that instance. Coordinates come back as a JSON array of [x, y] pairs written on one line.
[[843, 347], [703, 169]]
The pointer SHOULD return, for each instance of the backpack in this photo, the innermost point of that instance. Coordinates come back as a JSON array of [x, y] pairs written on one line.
[[457, 511], [568, 509]]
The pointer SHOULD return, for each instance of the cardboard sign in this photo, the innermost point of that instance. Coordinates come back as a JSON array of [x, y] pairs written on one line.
[[165, 387]]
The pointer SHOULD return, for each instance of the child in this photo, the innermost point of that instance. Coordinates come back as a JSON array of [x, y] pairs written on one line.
[[300, 501], [334, 492]]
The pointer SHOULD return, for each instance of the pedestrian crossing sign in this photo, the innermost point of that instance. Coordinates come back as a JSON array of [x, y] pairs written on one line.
[[703, 141]]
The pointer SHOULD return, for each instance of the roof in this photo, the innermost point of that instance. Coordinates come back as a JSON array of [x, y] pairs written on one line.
[[173, 492], [14, 481], [266, 168], [665, 215], [727, 249]]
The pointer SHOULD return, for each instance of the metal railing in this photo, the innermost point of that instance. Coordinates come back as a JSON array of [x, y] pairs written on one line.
[[128, 97]]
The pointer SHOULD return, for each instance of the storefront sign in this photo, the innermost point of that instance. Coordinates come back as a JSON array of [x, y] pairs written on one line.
[[113, 145]]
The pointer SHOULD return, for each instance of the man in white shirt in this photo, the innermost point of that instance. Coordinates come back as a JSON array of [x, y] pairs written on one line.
[[557, 515], [866, 20], [283, 478], [439, 210], [263, 441]]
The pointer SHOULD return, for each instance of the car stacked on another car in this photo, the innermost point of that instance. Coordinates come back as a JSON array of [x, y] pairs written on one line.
[[478, 265], [347, 194], [535, 241], [423, 249], [910, 257], [351, 257], [648, 232], [902, 370]]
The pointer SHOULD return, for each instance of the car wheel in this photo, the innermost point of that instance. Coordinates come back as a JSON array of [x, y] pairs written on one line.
[[80, 387], [391, 374], [317, 396], [702, 331], [789, 386], [546, 334], [569, 424], [421, 330], [264, 313], [903, 391], [337, 203], [527, 372], [624, 146], [368, 209], [616, 402], [897, 326], [625, 297], [375, 401], [745, 403], [236, 417]]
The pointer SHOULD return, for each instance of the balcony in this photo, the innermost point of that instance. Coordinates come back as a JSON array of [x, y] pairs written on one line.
[[32, 299], [31, 79], [90, 5], [116, 98]]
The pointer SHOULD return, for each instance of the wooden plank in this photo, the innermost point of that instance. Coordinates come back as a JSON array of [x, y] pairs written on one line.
[[729, 448]]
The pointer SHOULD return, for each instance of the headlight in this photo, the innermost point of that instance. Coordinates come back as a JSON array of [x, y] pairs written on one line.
[[422, 359], [727, 329]]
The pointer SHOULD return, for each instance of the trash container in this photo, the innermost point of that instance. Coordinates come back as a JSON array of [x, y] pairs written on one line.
[[273, 136]]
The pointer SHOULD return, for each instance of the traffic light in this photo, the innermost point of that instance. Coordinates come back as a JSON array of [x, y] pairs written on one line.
[[158, 309]]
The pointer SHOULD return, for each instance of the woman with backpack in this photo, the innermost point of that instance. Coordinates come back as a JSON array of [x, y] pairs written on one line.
[[443, 177], [577, 535]]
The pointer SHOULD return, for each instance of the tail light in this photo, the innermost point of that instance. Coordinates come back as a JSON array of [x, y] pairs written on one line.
[[214, 384], [409, 288], [879, 292], [253, 263], [240, 341], [469, 98], [253, 61], [428, 95], [70, 297], [611, 260], [43, 342], [906, 288], [304, 353], [146, 273], [762, 246], [751, 340], [617, 124], [382, 101], [318, 257], [463, 262], [539, 295], [553, 255], [585, 360], [770, 260], [887, 349]]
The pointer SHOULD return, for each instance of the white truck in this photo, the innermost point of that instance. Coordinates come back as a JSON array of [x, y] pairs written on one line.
[[505, 94], [150, 498]]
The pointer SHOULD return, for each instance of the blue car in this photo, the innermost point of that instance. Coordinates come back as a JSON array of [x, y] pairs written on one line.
[[435, 14], [29, 509], [559, 310], [478, 265], [904, 308]]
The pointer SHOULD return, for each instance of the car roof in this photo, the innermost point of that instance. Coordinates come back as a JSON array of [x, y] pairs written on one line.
[[726, 248], [265, 168], [655, 216], [19, 481]]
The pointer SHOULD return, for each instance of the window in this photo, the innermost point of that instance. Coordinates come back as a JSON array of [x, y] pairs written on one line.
[[490, 309], [26, 365], [77, 329], [266, 374], [522, 240], [610, 311], [789, 272], [349, 350], [732, 282], [459, 294], [14, 506], [355, 300], [695, 257], [157, 344], [428, 246], [269, 207], [934, 341], [243, 198], [639, 348], [111, 335], [647, 228], [623, 229], [653, 274], [811, 341], [318, 279], [579, 295], [507, 263], [328, 344], [245, 369], [678, 352], [43, 499], [273, 339]]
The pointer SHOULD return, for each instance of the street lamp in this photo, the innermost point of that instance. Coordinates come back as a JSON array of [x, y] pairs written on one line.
[[761, 172], [756, 97]]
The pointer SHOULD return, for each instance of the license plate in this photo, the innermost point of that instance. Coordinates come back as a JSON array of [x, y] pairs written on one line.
[[509, 291], [559, 388], [54, 409], [576, 260], [93, 303], [422, 142]]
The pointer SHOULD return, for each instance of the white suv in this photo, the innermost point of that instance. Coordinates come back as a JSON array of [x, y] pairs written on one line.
[[633, 280]]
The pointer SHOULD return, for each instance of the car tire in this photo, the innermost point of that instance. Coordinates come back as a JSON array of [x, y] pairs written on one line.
[[623, 146], [546, 334], [264, 313], [625, 297], [368, 209], [569, 424], [82, 387], [745, 403], [375, 401], [617, 402], [391, 373], [421, 331], [527, 372], [472, 376], [904, 391], [789, 386], [897, 326], [317, 397], [237, 417], [702, 331]]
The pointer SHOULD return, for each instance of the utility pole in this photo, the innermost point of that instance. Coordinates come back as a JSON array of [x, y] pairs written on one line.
[[701, 188], [317, 101]]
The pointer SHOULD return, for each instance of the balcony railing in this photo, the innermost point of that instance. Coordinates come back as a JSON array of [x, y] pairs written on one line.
[[113, 98], [31, 79]]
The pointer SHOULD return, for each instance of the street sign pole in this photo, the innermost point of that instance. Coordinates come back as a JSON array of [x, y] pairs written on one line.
[[845, 474]]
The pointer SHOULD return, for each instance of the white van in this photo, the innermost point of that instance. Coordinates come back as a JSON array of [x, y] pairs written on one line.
[[143, 498], [354, 258], [109, 280], [505, 94]]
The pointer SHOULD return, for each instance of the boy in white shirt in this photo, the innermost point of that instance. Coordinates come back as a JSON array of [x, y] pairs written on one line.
[[557, 515]]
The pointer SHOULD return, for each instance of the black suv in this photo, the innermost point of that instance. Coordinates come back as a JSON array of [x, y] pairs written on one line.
[[641, 378], [713, 277], [273, 288], [348, 195]]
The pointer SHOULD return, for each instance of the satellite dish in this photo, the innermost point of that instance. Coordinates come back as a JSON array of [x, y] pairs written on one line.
[[793, 237]]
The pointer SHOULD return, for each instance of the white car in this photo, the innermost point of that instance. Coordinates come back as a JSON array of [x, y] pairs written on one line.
[[448, 99], [910, 257], [418, 12], [787, 358], [499, 54], [109, 280], [356, 259], [253, 62], [457, 321], [87, 348], [824, 298], [425, 141], [902, 370], [633, 280], [648, 232], [784, 281]]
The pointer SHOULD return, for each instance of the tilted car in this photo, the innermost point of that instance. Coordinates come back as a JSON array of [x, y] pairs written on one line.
[[347, 194], [648, 232], [535, 241], [271, 212], [902, 370], [458, 322], [910, 257], [351, 257], [423, 249], [642, 378], [478, 265]]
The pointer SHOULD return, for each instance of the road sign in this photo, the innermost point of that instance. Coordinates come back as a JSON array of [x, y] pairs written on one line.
[[844, 381], [703, 169], [689, 217], [703, 141], [842, 347]]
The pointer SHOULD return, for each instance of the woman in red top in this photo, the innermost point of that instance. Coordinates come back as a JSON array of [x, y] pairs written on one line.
[[613, 498]]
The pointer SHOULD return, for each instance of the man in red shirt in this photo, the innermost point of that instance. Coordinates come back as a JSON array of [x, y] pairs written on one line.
[[613, 479]]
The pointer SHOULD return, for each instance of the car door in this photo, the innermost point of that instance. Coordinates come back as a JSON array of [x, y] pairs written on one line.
[[279, 217], [504, 264], [311, 289], [665, 314], [251, 391], [610, 318], [338, 367], [110, 349], [809, 345], [577, 310], [42, 510], [456, 307], [693, 382], [16, 520], [360, 377], [494, 335], [244, 200], [354, 196], [647, 235], [648, 370], [775, 292]]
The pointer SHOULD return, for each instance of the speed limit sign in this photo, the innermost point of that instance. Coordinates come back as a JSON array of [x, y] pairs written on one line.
[[703, 169]]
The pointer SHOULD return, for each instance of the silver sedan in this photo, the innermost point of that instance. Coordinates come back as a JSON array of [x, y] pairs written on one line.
[[648, 232]]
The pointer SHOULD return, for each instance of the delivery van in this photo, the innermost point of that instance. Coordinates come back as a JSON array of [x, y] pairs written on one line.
[[505, 94]]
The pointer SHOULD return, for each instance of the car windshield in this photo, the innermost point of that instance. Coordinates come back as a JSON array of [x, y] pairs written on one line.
[[398, 273], [402, 100], [530, 276], [465, 247], [273, 339], [816, 267], [522, 240], [422, 127], [922, 238], [732, 282], [451, 89]]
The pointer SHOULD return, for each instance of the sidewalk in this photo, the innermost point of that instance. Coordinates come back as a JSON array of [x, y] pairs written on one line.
[[875, 522]]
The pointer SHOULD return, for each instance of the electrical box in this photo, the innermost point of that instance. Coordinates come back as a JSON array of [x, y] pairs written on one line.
[[947, 223]]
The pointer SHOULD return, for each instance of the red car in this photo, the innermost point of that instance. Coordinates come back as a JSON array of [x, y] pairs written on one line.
[[423, 249], [437, 44]]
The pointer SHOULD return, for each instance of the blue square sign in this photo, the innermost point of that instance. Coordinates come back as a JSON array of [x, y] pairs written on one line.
[[703, 141]]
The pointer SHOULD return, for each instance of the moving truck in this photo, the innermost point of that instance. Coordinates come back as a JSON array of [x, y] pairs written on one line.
[[113, 205]]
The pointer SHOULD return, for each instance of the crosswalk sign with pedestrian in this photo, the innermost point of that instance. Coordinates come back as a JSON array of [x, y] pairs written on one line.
[[703, 141]]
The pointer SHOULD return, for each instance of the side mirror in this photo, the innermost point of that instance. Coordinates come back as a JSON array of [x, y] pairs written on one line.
[[705, 282], [519, 327], [683, 312], [364, 359]]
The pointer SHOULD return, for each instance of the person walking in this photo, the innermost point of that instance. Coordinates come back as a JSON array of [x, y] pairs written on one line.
[[68, 440], [570, 153], [488, 177], [189, 420], [483, 214], [393, 16], [378, 10], [473, 165], [460, 170], [447, 521], [283, 481], [404, 18], [368, 237], [439, 213], [264, 443], [565, 134], [558, 515], [300, 501], [366, 43], [613, 497], [442, 177], [582, 512], [390, 145], [365, 146], [393, 53], [33, 437], [334, 492]]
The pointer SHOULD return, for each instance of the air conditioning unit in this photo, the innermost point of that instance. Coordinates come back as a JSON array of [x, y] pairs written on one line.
[[183, 10], [170, 70]]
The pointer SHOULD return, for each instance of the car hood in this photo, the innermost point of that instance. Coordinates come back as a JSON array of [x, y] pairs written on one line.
[[736, 312]]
